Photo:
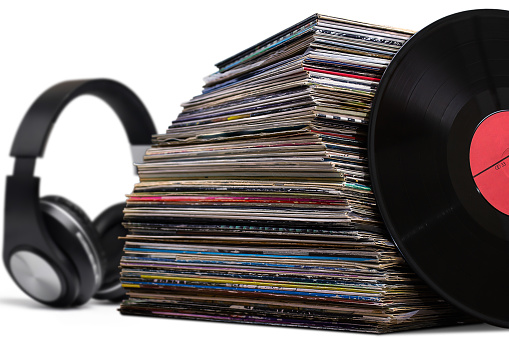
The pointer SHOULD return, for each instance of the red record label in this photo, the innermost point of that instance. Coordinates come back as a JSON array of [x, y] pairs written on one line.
[[489, 160]]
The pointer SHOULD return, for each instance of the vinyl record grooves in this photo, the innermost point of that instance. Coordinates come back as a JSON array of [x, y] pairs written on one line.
[[438, 149]]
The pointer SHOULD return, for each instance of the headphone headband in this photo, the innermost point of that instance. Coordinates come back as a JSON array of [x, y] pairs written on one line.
[[33, 133]]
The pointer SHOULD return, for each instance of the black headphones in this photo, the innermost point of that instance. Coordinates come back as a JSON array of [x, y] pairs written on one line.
[[52, 250]]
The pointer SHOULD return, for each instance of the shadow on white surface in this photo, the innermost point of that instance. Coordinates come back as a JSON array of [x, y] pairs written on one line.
[[99, 308], [34, 305], [471, 328]]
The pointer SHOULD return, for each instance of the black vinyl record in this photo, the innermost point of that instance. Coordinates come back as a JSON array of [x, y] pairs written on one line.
[[439, 159]]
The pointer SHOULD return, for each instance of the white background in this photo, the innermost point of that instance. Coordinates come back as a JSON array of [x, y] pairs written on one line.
[[161, 50]]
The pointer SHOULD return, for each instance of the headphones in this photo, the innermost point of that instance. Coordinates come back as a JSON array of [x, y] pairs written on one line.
[[52, 250]]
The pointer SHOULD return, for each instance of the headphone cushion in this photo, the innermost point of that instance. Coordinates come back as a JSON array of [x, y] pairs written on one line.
[[109, 226], [72, 230], [77, 212]]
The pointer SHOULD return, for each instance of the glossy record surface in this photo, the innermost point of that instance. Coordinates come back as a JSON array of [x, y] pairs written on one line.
[[436, 91]]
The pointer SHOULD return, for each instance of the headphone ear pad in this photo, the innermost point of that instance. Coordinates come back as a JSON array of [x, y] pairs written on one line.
[[72, 231], [109, 227]]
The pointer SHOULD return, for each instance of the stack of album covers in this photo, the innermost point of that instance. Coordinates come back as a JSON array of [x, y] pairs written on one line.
[[256, 206]]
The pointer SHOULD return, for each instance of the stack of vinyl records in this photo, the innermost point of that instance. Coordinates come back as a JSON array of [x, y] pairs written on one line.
[[256, 206]]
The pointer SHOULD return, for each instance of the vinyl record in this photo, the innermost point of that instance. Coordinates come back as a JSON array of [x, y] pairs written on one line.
[[439, 159]]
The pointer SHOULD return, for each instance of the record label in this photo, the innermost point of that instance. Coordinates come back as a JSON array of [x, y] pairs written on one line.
[[489, 160]]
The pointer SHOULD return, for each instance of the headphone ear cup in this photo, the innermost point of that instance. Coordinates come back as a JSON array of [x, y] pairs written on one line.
[[109, 227], [72, 231]]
